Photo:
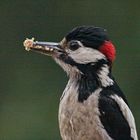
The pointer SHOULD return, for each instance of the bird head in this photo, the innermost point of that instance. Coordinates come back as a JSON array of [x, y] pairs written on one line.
[[82, 50]]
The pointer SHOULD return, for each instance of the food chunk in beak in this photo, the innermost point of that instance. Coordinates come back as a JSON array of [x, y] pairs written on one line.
[[48, 48]]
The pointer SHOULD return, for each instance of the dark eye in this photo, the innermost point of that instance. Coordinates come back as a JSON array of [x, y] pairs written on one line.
[[74, 45]]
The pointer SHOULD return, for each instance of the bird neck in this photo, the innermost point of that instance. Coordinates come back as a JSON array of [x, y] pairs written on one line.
[[92, 77]]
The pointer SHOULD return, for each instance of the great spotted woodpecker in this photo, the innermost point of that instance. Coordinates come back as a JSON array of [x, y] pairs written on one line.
[[92, 106]]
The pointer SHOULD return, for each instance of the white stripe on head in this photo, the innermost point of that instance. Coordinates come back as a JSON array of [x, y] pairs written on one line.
[[84, 55]]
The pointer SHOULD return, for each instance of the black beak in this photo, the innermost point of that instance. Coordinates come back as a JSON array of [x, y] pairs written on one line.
[[48, 48]]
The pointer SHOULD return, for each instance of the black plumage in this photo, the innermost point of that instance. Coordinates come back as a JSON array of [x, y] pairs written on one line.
[[90, 36], [112, 118]]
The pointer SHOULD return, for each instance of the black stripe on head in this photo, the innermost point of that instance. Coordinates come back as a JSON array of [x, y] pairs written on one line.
[[84, 68], [88, 81], [112, 119], [90, 36]]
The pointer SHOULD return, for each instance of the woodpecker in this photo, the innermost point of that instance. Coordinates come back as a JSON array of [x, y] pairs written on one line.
[[92, 106]]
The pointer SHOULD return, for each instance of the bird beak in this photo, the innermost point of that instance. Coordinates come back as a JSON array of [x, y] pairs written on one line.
[[47, 48]]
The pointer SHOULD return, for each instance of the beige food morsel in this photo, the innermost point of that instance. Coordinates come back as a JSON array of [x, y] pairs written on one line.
[[28, 44]]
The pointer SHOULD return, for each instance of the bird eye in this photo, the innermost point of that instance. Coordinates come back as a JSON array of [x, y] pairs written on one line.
[[74, 45]]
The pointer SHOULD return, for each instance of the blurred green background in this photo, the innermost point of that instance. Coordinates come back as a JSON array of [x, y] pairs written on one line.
[[31, 84]]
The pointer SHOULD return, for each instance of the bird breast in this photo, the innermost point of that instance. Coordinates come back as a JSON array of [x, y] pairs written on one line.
[[80, 121]]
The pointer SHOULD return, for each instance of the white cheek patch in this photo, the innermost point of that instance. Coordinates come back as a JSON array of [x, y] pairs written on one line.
[[85, 55]]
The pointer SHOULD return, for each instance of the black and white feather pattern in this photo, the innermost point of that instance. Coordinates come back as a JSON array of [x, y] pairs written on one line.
[[92, 106], [101, 112], [116, 117]]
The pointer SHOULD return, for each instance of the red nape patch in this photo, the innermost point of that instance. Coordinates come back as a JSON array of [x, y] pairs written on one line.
[[108, 50]]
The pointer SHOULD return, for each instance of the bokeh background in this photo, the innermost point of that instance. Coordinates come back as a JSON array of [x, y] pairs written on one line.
[[31, 84]]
